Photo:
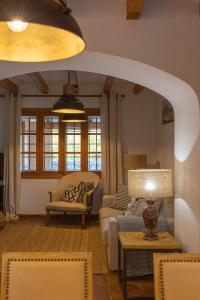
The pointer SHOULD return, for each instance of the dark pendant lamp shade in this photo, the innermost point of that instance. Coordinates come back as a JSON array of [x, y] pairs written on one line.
[[68, 103], [73, 118], [42, 31]]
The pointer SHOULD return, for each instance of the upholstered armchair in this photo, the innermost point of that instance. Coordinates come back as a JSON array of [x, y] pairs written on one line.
[[47, 276], [176, 276], [56, 195]]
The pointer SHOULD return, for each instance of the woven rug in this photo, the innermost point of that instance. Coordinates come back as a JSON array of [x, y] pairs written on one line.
[[35, 236]]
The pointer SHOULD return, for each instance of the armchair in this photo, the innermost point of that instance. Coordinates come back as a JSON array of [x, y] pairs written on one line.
[[56, 196]]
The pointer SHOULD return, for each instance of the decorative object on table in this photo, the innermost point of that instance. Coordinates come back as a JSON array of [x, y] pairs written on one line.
[[176, 276], [38, 31], [47, 275], [150, 184], [68, 103], [167, 112], [135, 161]]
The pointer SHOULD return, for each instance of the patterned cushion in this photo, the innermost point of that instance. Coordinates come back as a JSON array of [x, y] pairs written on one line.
[[76, 193], [122, 198]]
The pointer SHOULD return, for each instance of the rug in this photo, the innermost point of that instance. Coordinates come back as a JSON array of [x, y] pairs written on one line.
[[30, 236]]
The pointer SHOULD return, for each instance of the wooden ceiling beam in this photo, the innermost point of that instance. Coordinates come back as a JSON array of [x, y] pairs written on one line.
[[138, 89], [108, 84], [9, 85], [134, 9], [40, 82]]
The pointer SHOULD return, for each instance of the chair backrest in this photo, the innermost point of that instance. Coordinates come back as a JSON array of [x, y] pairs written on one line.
[[77, 177], [176, 276], [47, 276]]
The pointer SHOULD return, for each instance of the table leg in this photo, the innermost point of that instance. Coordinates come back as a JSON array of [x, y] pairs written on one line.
[[119, 260], [124, 282]]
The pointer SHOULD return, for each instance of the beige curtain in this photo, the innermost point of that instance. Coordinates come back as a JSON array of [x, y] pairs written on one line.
[[12, 176], [112, 167]]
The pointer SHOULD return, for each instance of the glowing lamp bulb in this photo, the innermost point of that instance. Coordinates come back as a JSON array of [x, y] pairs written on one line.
[[17, 25], [150, 185]]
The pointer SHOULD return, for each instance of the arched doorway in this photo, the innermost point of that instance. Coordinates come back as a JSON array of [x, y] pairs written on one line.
[[179, 93]]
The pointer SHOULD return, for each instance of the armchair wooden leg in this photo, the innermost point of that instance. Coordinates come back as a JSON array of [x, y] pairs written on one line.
[[48, 218], [83, 220]]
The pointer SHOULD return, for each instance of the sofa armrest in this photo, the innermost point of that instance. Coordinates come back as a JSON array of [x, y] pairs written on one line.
[[56, 194], [107, 200]]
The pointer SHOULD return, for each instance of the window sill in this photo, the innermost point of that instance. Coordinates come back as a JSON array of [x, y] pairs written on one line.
[[49, 175]]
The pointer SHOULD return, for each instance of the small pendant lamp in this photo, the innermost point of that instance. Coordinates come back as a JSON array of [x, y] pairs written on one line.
[[74, 118], [68, 103], [38, 31]]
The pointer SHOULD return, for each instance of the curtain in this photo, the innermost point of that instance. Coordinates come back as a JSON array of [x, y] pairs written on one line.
[[12, 176], [112, 160]]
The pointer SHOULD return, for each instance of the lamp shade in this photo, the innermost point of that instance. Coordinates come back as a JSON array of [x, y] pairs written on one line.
[[135, 161], [68, 103], [38, 31], [74, 118], [150, 183]]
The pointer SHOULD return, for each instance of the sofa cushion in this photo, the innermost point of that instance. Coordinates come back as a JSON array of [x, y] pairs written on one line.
[[122, 198], [66, 206], [106, 212]]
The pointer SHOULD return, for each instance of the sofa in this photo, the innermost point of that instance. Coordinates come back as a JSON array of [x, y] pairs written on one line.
[[113, 220]]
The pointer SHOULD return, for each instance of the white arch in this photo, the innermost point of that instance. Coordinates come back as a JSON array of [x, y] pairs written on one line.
[[178, 92]]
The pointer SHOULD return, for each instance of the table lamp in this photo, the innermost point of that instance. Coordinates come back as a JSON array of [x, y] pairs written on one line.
[[150, 184]]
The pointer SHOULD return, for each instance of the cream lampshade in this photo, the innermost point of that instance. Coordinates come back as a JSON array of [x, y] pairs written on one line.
[[150, 184]]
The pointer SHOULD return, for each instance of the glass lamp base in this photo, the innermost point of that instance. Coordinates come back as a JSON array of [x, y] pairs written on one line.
[[150, 218]]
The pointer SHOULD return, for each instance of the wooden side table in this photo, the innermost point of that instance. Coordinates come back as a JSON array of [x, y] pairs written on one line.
[[133, 241]]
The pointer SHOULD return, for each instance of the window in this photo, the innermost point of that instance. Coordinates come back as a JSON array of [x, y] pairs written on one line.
[[28, 143], [50, 148]]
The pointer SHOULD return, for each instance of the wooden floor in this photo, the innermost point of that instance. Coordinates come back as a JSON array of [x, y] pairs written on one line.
[[106, 284]]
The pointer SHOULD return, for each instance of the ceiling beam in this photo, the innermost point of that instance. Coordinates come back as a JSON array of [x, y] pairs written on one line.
[[9, 85], [138, 89], [134, 9], [108, 84], [40, 82]]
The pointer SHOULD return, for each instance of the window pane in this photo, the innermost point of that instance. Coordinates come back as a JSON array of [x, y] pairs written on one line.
[[51, 124], [51, 162], [51, 143], [92, 162], [28, 162], [28, 124], [73, 162], [73, 128]]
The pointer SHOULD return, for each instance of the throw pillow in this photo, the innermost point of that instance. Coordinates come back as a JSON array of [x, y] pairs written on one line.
[[122, 198], [71, 193], [140, 204], [76, 193]]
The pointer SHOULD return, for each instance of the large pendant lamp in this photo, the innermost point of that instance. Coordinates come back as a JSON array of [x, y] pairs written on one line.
[[38, 31], [74, 118], [68, 103]]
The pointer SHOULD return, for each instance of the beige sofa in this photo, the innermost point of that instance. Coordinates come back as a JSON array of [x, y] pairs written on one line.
[[113, 220]]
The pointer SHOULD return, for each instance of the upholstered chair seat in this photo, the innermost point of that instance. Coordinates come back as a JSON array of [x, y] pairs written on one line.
[[65, 206]]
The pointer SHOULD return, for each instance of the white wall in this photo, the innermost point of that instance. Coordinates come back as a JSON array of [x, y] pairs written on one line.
[[139, 124], [164, 139]]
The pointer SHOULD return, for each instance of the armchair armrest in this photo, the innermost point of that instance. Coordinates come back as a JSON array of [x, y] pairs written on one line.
[[56, 194], [88, 197], [107, 200]]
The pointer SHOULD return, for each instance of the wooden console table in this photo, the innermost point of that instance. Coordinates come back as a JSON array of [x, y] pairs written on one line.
[[133, 241]]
